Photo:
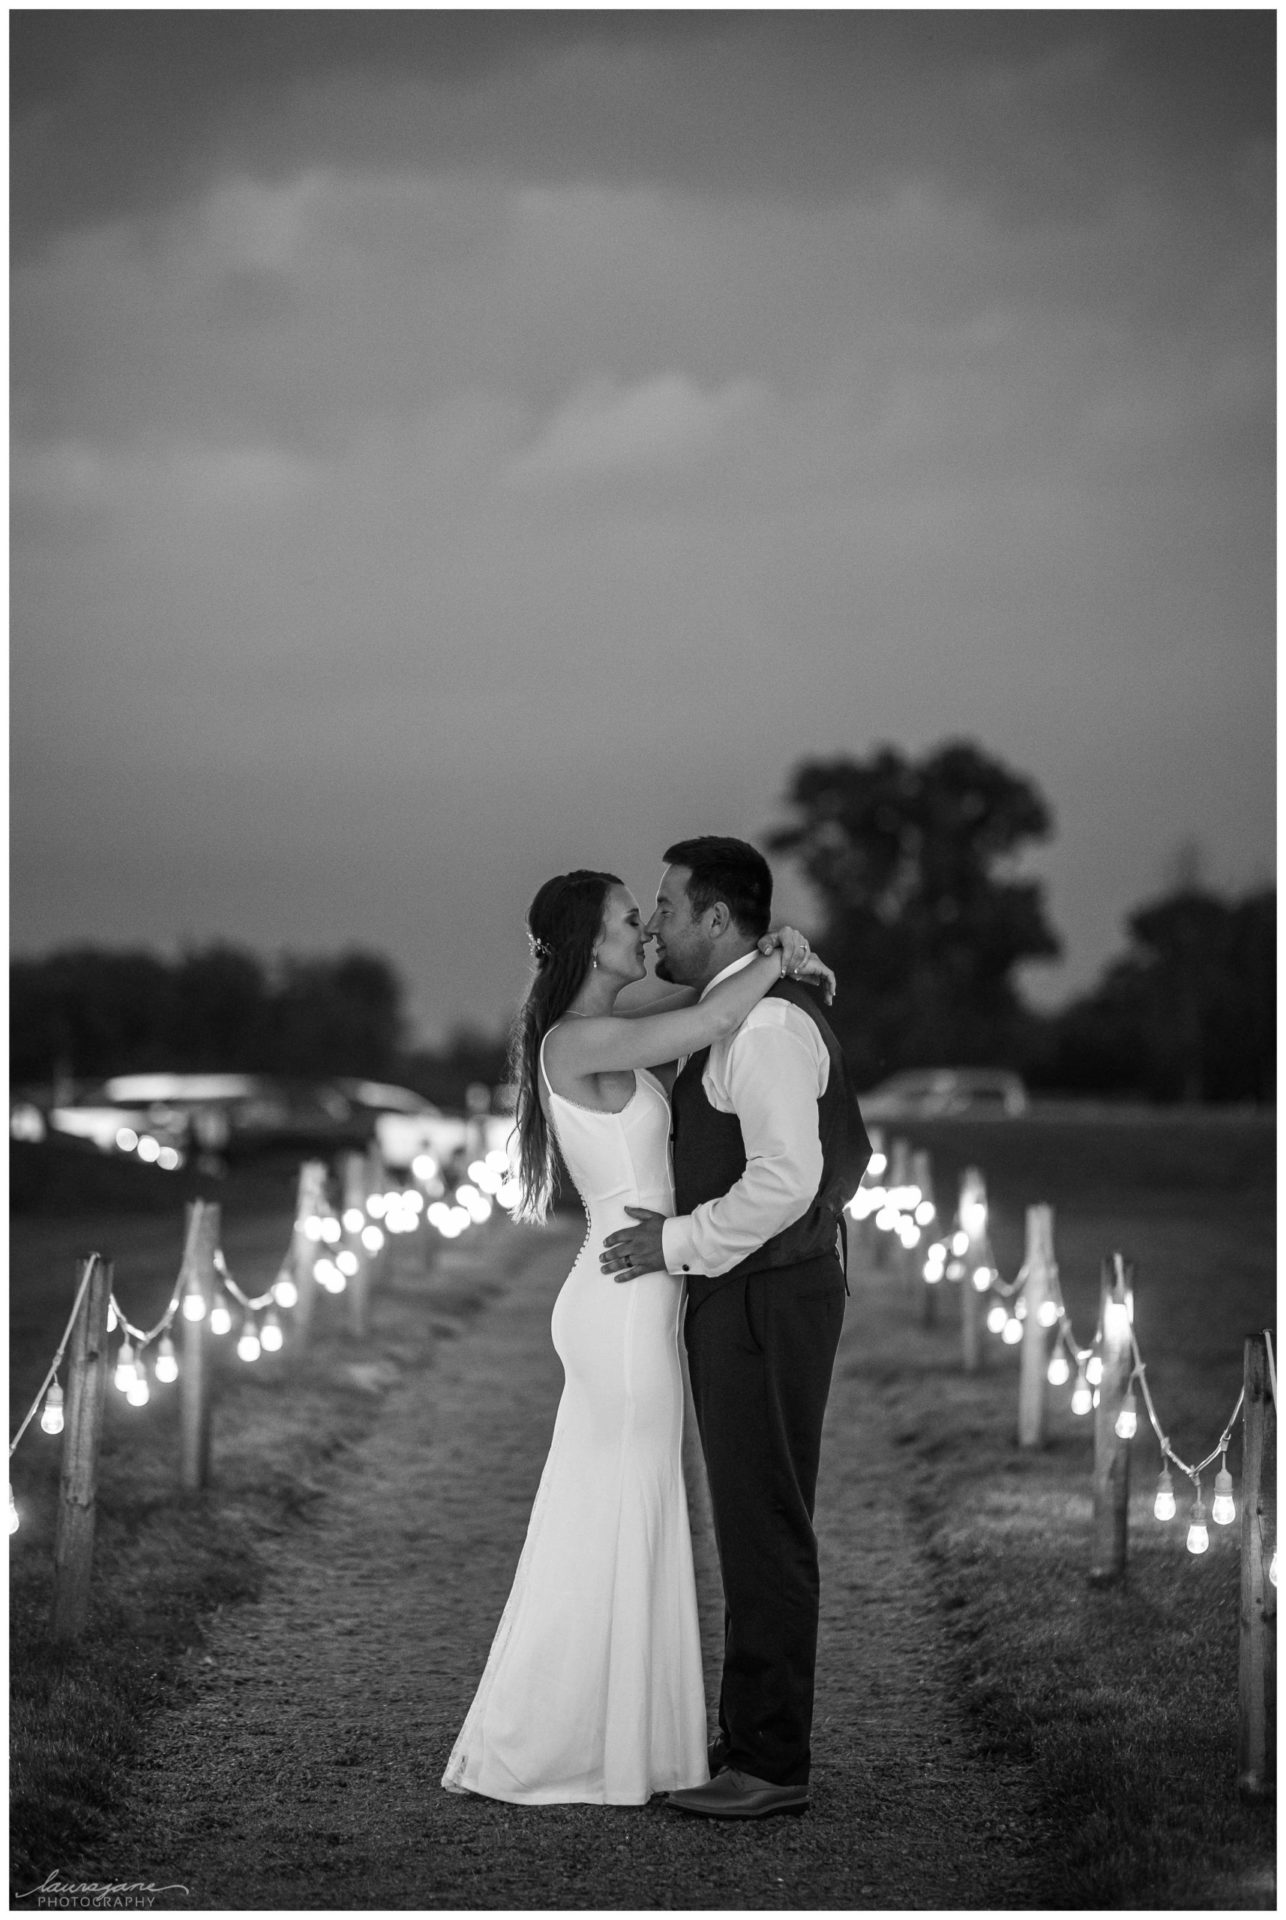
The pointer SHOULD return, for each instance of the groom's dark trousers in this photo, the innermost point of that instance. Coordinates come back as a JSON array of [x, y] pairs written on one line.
[[761, 1343], [760, 1351]]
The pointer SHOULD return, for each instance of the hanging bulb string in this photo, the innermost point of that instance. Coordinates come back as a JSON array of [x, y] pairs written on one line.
[[243, 1300], [93, 1260], [139, 1337]]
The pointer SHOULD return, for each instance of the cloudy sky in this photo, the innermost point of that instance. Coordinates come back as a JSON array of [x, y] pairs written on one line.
[[449, 448]]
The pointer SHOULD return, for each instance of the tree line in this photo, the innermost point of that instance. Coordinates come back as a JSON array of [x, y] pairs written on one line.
[[927, 918]]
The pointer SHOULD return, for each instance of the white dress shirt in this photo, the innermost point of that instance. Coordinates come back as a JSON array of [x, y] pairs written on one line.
[[771, 1073]]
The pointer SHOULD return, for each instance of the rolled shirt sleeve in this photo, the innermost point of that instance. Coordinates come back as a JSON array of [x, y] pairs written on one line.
[[771, 1074]]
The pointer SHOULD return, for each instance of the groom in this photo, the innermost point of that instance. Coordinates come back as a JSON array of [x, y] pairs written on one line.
[[768, 1145]]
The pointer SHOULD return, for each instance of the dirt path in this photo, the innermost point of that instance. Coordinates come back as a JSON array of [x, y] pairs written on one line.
[[302, 1770]]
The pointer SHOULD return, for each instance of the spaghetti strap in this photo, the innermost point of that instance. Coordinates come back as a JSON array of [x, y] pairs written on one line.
[[544, 1072]]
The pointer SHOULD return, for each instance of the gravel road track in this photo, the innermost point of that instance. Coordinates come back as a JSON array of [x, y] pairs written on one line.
[[301, 1767]]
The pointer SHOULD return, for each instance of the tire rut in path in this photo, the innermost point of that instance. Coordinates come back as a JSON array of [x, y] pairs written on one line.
[[303, 1768]]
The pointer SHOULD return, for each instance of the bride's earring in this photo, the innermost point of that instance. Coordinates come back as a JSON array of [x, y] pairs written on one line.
[[593, 960]]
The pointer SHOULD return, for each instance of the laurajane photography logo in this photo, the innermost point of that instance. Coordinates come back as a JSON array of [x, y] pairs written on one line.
[[54, 1891]]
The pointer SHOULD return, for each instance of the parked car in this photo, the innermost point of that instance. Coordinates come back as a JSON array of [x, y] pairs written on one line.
[[934, 1093]]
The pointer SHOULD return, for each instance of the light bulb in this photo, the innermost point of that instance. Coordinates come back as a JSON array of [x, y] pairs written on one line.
[[424, 1166], [328, 1275], [932, 1272], [354, 1220], [1012, 1331], [313, 1227], [220, 1317], [13, 1513], [167, 1366], [271, 1335], [1127, 1420], [347, 1262], [1116, 1319], [248, 1342], [51, 1418], [1048, 1314], [1082, 1398], [1198, 1532], [960, 1242], [924, 1212], [982, 1278], [124, 1375], [1059, 1371], [377, 1205], [112, 1322], [372, 1239], [1094, 1370], [1223, 1508], [996, 1318], [955, 1270], [1164, 1505], [331, 1231], [1272, 1564], [138, 1393], [284, 1291], [193, 1304]]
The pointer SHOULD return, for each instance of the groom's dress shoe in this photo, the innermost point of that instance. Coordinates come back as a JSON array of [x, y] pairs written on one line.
[[732, 1795]]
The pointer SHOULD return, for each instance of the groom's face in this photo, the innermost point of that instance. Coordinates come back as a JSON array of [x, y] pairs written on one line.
[[683, 944]]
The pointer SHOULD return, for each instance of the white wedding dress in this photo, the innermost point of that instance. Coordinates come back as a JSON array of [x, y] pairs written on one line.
[[593, 1688]]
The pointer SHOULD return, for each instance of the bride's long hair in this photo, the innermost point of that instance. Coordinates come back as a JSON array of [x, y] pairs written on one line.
[[563, 922]]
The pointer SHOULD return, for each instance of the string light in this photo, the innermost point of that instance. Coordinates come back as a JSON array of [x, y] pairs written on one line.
[[248, 1341], [1223, 1508], [1048, 1313], [1094, 1370], [313, 1227], [194, 1302], [1127, 1420], [138, 1392], [1198, 1532], [982, 1278], [1164, 1505], [354, 1220], [124, 1375], [1012, 1331], [51, 1418], [271, 1336], [284, 1291], [167, 1366], [997, 1317], [347, 1262], [221, 1317], [1082, 1398], [1059, 1370], [372, 1239]]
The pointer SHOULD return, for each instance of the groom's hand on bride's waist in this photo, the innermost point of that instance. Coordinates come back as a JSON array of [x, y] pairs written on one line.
[[634, 1250]]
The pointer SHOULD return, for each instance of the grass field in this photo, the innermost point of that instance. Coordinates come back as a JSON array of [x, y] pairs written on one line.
[[1123, 1703]]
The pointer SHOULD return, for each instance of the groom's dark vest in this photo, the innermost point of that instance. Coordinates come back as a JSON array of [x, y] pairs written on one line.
[[710, 1156]]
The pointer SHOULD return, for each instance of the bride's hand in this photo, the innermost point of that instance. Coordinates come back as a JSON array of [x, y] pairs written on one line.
[[799, 960]]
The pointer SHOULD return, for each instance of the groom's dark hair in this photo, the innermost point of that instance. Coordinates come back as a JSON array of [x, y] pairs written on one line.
[[727, 870]]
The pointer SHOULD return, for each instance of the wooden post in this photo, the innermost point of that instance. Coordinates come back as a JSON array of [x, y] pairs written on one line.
[[973, 1219], [1111, 1453], [1038, 1289], [302, 1258], [1257, 1653], [359, 1283], [196, 1275], [78, 1480], [922, 1176]]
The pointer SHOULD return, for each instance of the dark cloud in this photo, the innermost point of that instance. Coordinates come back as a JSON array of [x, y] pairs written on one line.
[[125, 111]]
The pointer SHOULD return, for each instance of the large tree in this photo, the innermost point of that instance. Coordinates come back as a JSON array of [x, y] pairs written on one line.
[[926, 919]]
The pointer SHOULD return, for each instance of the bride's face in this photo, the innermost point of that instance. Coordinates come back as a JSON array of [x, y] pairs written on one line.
[[620, 947]]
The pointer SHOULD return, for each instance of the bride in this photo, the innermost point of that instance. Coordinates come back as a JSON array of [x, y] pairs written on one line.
[[593, 1688]]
